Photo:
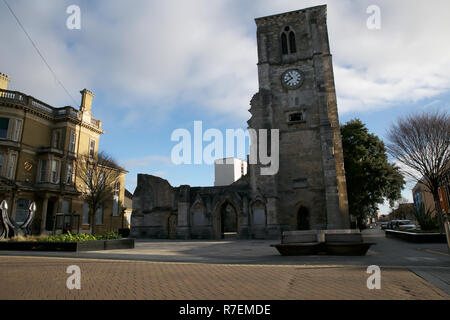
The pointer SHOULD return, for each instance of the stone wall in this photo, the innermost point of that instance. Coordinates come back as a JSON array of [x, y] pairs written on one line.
[[309, 191]]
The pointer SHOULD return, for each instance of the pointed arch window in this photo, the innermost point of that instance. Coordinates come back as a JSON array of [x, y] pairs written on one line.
[[284, 44], [288, 42], [292, 44]]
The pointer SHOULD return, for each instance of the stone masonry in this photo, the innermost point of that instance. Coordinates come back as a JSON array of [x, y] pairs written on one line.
[[309, 190]]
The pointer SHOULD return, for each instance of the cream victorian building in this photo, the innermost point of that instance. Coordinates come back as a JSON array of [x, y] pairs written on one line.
[[39, 147]]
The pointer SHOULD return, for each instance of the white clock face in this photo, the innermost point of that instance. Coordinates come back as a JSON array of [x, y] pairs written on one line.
[[292, 79]]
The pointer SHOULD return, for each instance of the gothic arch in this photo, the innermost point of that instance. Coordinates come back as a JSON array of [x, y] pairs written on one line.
[[224, 221], [288, 41], [231, 197]]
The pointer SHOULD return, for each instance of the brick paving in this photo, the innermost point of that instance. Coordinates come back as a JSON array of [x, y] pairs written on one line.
[[45, 278]]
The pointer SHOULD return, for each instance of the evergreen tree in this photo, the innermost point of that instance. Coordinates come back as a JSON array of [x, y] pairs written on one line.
[[370, 177]]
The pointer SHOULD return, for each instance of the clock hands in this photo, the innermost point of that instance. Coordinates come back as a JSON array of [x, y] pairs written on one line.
[[292, 78]]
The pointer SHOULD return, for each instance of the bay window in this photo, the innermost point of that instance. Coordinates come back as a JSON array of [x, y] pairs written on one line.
[[43, 174], [54, 178], [4, 124], [11, 165]]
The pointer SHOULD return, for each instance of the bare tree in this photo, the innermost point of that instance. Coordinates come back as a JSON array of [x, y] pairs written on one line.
[[421, 142], [98, 176]]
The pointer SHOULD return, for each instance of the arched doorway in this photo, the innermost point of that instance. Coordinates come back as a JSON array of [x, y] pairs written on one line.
[[228, 219], [303, 219]]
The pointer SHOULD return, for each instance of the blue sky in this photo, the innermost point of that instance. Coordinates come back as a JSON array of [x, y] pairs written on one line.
[[156, 66]]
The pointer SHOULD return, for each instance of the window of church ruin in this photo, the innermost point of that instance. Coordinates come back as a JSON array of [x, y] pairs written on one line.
[[284, 43], [288, 42], [292, 44], [296, 117]]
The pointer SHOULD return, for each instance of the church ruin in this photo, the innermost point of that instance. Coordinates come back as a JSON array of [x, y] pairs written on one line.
[[297, 96]]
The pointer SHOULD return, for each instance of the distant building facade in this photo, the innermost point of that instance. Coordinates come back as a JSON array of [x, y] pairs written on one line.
[[296, 96], [421, 195], [228, 171], [39, 149]]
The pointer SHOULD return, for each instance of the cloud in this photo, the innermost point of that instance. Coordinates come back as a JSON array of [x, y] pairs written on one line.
[[150, 57], [401, 63]]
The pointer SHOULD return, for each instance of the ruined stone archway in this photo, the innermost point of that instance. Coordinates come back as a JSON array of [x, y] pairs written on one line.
[[229, 219]]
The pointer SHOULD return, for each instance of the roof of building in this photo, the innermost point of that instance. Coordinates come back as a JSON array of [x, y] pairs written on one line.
[[128, 194]]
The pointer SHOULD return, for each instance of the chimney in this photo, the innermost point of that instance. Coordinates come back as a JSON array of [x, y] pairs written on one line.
[[4, 80], [86, 100]]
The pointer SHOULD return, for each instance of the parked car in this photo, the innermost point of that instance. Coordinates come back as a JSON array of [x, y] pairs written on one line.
[[404, 224], [384, 225], [390, 225]]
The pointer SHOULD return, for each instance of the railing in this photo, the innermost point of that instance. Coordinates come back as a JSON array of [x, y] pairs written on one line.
[[20, 98], [68, 112], [12, 95], [41, 106], [32, 103]]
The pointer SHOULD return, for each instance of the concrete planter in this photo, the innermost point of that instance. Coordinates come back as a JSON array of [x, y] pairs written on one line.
[[98, 245], [417, 237]]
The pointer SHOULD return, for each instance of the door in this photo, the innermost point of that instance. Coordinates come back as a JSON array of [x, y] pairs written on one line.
[[303, 219], [229, 219]]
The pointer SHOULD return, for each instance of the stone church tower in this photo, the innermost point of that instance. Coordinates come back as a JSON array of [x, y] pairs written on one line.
[[297, 96]]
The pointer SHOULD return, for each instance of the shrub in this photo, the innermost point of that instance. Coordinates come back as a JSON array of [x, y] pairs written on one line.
[[109, 236], [82, 237], [68, 237], [426, 219]]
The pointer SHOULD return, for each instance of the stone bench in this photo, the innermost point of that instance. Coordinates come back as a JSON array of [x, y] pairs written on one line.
[[346, 242], [343, 237], [300, 237], [299, 243]]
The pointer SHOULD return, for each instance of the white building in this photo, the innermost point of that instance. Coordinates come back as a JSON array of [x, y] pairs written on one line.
[[229, 170]]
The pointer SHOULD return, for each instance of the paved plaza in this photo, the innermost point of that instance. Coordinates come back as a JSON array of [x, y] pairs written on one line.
[[248, 270]]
